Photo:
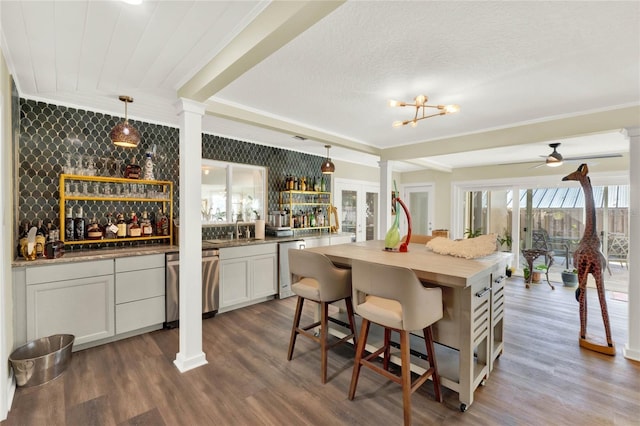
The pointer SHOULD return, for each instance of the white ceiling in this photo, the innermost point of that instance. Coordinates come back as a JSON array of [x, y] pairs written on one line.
[[325, 70]]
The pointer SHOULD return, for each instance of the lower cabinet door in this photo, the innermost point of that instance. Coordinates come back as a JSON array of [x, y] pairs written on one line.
[[83, 307], [265, 270], [234, 282]]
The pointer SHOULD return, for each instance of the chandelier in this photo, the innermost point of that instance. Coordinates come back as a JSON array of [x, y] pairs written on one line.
[[421, 106]]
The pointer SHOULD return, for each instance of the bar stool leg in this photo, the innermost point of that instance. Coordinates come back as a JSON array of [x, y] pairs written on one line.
[[406, 376], [431, 354], [387, 348], [324, 325], [362, 342], [352, 320], [296, 325]]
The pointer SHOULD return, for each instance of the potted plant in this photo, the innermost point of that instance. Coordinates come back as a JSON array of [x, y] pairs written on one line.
[[570, 277], [525, 272], [537, 270], [504, 241]]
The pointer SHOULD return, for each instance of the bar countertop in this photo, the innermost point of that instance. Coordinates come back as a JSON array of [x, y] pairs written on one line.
[[113, 253]]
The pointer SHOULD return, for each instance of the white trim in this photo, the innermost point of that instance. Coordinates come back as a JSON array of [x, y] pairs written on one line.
[[6, 392]]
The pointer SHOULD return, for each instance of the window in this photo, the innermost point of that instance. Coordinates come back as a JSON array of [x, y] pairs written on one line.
[[232, 192]]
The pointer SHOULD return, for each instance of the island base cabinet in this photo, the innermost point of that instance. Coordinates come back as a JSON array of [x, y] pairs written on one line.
[[83, 307]]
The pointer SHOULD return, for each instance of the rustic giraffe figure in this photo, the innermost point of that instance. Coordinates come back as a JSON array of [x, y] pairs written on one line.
[[589, 259]]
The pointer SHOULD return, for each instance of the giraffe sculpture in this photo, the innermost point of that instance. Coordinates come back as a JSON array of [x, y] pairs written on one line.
[[589, 259]]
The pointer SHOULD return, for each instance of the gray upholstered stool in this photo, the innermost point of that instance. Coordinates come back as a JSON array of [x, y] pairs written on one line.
[[395, 299], [316, 278]]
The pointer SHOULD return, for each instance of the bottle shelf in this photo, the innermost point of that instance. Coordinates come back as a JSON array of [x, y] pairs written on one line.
[[315, 200], [117, 240], [113, 190]]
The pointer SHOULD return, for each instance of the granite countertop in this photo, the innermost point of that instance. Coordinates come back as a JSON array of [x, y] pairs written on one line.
[[113, 253]]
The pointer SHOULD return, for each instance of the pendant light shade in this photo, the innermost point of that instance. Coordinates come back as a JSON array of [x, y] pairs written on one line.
[[327, 167], [124, 134]]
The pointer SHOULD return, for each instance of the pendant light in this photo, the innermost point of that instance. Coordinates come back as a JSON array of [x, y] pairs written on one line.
[[124, 134], [327, 167]]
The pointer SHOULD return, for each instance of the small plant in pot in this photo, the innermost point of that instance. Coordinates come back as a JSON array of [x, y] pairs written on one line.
[[537, 270], [570, 277]]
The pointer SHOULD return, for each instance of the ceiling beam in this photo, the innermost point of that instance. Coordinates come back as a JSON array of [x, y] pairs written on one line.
[[554, 129], [278, 24], [253, 118]]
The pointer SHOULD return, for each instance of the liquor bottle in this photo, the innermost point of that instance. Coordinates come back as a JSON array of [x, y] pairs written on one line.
[[164, 224], [148, 167], [145, 224], [22, 239], [69, 228], [122, 226], [303, 184], [132, 171], [79, 226], [41, 240], [323, 184], [110, 229], [94, 230], [312, 219], [134, 227]]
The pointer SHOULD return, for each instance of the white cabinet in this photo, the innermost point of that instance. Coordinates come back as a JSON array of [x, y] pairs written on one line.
[[96, 301], [248, 275], [73, 298], [140, 289]]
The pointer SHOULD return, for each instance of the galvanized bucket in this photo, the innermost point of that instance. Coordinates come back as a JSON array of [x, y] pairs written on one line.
[[42, 360]]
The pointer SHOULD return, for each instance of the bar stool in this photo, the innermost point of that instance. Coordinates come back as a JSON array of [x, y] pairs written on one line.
[[320, 281], [395, 299]]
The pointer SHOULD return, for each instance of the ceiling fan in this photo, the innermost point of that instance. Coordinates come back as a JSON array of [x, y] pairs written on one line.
[[556, 159]]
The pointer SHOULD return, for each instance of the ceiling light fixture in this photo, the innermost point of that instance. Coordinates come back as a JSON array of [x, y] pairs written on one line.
[[555, 158], [327, 167], [124, 134], [420, 105]]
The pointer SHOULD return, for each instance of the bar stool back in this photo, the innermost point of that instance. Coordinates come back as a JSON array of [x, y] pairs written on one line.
[[316, 278], [395, 299]]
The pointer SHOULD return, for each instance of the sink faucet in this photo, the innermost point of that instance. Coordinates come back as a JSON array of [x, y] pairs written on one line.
[[237, 232]]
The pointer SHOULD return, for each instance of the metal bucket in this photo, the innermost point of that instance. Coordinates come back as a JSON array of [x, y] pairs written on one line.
[[42, 360]]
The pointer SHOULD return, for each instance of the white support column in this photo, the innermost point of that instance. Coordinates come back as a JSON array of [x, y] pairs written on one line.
[[632, 348], [191, 355], [386, 186]]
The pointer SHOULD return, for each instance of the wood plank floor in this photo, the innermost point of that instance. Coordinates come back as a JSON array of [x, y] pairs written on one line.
[[542, 378]]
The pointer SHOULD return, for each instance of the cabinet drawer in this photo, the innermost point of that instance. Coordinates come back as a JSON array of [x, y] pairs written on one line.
[[136, 285], [68, 271], [135, 263], [246, 251], [139, 314]]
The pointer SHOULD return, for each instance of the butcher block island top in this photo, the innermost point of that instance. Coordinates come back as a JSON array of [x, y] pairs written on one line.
[[430, 267]]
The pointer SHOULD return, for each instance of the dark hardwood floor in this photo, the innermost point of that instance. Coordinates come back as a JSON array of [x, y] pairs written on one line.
[[542, 378]]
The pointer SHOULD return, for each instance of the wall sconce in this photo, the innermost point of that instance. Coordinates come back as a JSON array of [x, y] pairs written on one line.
[[327, 167], [420, 105], [124, 134]]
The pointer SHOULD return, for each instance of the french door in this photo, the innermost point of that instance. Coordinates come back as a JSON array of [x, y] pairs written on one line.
[[419, 202], [358, 204]]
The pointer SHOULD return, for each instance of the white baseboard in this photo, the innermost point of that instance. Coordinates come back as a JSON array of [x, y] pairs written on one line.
[[11, 391]]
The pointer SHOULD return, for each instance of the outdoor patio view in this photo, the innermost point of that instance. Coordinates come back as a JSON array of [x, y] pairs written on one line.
[[552, 219]]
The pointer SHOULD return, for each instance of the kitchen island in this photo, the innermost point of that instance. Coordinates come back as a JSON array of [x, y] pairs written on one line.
[[469, 335]]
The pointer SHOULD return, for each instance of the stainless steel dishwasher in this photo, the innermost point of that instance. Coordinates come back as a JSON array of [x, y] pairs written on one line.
[[210, 286]]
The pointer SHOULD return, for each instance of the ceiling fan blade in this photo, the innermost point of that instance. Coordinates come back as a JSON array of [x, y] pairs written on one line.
[[592, 157]]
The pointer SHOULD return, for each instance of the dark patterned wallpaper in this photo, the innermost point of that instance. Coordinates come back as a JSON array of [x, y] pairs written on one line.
[[51, 136]]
